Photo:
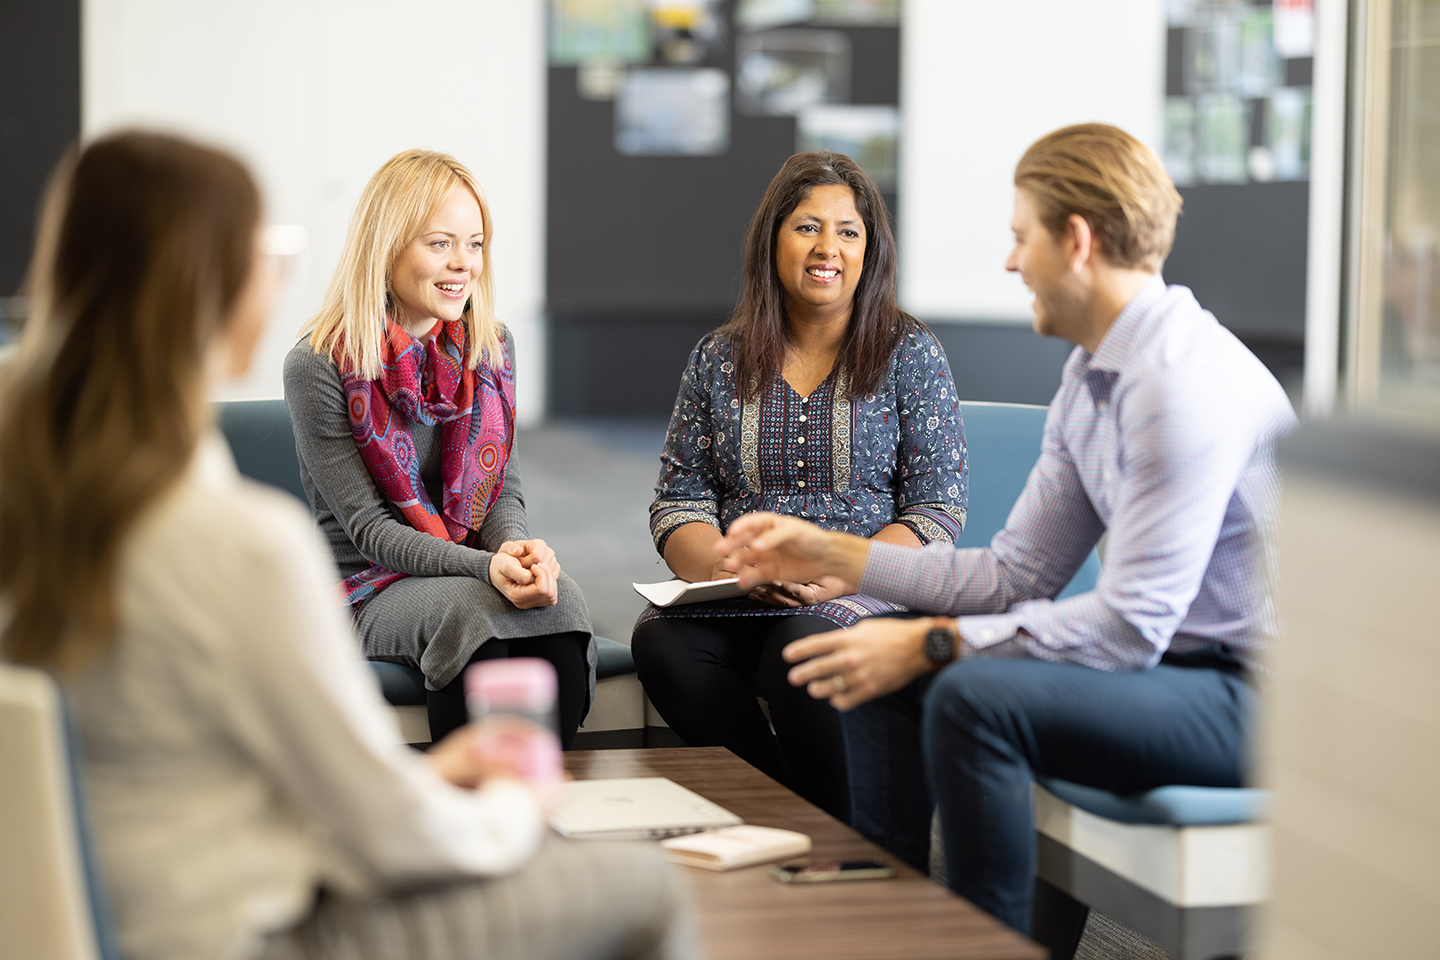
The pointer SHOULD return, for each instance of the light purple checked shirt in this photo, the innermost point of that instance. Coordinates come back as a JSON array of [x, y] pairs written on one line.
[[1164, 437]]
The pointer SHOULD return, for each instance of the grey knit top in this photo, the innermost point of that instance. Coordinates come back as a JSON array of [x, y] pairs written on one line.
[[363, 527]]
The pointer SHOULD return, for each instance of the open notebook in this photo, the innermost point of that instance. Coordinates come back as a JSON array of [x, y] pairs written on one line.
[[673, 593]]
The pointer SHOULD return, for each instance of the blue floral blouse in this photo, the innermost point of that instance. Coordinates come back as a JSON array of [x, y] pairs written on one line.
[[854, 464]]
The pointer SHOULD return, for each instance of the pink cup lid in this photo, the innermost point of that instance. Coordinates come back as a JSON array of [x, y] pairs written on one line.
[[526, 683]]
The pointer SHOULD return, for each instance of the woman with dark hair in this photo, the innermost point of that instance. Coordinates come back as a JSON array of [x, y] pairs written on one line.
[[249, 794], [819, 399]]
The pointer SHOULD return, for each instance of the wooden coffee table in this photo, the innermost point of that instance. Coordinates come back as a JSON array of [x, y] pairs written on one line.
[[745, 914]]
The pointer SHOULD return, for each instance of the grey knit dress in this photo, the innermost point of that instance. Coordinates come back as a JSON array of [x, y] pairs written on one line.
[[439, 616]]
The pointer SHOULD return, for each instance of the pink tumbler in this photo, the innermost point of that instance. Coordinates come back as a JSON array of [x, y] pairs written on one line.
[[513, 702]]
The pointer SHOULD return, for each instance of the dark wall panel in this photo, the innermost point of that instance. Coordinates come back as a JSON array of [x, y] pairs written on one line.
[[39, 116], [622, 365], [630, 365], [1003, 362], [667, 232], [648, 232], [1241, 248], [644, 254], [875, 64]]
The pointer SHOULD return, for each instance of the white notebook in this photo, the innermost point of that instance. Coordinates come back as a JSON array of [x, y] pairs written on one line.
[[673, 593], [638, 808], [734, 847]]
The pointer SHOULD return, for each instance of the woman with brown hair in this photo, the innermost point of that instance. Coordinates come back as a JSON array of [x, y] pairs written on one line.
[[820, 399], [248, 793], [403, 399]]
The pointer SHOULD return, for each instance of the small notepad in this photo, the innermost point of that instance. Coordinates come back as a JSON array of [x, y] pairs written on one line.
[[734, 847], [673, 593]]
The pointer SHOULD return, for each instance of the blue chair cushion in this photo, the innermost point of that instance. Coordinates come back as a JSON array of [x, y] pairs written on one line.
[[405, 686], [402, 686], [1175, 806], [260, 436], [615, 659], [1003, 440]]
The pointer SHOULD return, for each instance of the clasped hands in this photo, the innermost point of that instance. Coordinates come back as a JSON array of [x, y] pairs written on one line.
[[845, 667], [526, 573]]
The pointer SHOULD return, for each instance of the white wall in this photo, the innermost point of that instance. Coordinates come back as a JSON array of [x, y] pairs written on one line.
[[980, 82], [316, 94]]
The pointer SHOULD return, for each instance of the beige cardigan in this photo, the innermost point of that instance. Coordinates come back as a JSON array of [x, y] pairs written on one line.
[[237, 751]]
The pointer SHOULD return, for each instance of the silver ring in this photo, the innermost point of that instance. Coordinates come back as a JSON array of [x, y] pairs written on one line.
[[838, 684]]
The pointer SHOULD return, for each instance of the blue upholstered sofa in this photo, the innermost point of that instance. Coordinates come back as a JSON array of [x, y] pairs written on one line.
[[263, 442]]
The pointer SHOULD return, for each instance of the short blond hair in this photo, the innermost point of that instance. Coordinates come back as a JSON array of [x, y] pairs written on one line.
[[1111, 179], [396, 204]]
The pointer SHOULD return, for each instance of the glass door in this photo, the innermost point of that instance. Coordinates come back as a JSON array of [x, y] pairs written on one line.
[[1395, 209]]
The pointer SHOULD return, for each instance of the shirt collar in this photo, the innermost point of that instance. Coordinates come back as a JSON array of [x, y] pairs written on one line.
[[1115, 350]]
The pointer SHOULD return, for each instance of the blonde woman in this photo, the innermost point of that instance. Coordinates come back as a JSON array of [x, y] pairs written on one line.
[[238, 758], [402, 394]]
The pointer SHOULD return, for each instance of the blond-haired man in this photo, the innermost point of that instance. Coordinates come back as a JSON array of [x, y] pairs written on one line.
[[1160, 436]]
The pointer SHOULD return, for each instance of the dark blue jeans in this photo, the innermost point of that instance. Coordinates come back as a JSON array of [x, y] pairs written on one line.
[[972, 737]]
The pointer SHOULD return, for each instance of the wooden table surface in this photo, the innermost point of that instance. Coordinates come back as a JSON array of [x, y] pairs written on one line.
[[747, 914]]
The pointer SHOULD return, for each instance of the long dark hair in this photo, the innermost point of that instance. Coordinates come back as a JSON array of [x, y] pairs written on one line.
[[145, 242], [758, 327]]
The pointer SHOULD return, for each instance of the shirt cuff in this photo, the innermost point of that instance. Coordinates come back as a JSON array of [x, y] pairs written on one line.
[[891, 570], [981, 632]]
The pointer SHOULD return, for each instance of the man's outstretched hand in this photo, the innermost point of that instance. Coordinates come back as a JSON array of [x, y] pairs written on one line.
[[766, 547]]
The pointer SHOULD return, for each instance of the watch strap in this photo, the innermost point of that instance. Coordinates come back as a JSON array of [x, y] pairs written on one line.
[[940, 645]]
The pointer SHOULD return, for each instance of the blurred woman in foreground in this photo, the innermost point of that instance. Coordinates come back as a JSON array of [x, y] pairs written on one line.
[[248, 794]]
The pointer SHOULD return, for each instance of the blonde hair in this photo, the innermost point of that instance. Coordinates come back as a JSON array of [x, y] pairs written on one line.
[[144, 246], [398, 201], [1111, 179]]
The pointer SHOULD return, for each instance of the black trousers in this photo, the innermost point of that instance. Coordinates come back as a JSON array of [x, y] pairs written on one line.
[[703, 675], [566, 651]]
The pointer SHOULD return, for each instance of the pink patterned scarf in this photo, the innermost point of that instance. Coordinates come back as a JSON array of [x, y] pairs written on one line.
[[427, 383]]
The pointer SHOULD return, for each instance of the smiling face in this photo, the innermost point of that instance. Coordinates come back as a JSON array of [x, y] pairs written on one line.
[[1041, 259], [437, 271], [820, 252]]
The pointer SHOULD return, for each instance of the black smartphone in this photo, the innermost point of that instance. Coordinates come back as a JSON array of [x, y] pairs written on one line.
[[825, 871]]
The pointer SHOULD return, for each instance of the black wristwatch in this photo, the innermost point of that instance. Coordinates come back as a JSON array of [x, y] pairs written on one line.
[[940, 645]]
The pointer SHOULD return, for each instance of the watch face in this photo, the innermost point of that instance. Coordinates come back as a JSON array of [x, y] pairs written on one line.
[[939, 645]]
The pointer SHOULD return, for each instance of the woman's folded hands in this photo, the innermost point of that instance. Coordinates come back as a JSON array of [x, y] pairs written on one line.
[[527, 573]]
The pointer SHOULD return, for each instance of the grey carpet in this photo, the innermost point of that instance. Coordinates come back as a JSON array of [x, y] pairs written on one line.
[[1106, 939], [588, 486]]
